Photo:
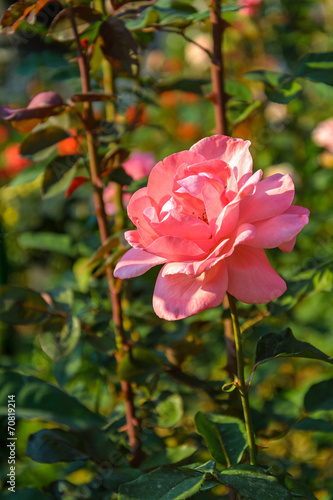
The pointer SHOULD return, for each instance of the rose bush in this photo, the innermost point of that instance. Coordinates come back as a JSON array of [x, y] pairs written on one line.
[[207, 218]]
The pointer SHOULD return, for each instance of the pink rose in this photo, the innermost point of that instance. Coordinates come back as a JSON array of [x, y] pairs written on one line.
[[323, 135], [139, 165], [207, 218]]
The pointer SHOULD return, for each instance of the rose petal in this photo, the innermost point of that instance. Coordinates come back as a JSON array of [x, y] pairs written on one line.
[[251, 278], [162, 177], [178, 249], [273, 196], [235, 152], [180, 296], [184, 226], [136, 262], [275, 231]]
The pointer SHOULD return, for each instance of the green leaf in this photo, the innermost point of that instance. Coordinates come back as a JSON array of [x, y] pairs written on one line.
[[49, 242], [49, 446], [38, 399], [298, 489], [138, 364], [58, 340], [27, 175], [319, 396], [314, 425], [21, 306], [225, 437], [284, 345], [56, 445], [26, 494], [58, 175], [194, 85], [286, 92], [317, 67], [253, 484], [239, 111], [120, 177], [211, 435], [238, 90], [42, 139], [170, 411], [61, 28], [118, 46], [279, 87], [168, 456], [165, 483]]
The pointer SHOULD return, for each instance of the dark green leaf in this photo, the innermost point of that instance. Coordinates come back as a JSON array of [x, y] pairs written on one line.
[[230, 432], [170, 411], [49, 446], [319, 397], [165, 483], [58, 175], [211, 435], [317, 67], [168, 456], [120, 177], [286, 92], [26, 494], [21, 306], [271, 78], [52, 242], [57, 339], [137, 365], [42, 139], [38, 399], [56, 445], [314, 425], [253, 484], [298, 489], [119, 47], [282, 345]]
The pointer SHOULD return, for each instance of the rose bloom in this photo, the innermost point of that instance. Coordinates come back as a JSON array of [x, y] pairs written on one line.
[[139, 165], [207, 218], [323, 135]]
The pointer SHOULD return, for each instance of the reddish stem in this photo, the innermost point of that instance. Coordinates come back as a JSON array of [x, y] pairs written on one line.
[[115, 292]]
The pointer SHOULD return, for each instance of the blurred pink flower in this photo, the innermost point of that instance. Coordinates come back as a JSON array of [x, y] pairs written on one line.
[[139, 165], [322, 135], [207, 218], [251, 6]]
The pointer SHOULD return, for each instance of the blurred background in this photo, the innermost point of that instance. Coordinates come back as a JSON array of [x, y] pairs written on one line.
[[45, 244]]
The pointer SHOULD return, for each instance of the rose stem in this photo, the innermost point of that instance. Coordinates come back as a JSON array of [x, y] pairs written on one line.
[[243, 388], [219, 99], [114, 290]]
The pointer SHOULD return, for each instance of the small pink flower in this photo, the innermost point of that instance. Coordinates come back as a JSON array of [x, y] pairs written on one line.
[[139, 165], [323, 135], [250, 6], [207, 218]]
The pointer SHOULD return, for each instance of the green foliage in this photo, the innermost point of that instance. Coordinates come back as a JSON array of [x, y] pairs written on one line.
[[21, 306], [42, 139], [164, 482], [225, 437], [277, 345], [38, 399]]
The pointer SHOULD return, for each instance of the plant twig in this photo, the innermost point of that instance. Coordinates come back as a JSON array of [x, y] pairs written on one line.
[[115, 292], [243, 389]]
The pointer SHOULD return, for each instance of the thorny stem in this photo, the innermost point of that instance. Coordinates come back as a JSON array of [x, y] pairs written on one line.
[[219, 98], [243, 389], [115, 292]]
